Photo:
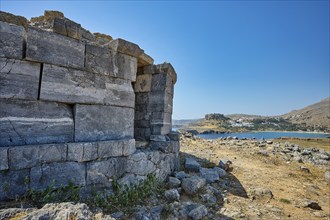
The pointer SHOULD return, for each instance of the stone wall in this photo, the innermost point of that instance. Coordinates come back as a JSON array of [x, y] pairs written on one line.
[[72, 104]]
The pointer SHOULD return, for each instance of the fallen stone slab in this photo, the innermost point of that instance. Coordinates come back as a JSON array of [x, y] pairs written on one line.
[[210, 175], [191, 164], [192, 184]]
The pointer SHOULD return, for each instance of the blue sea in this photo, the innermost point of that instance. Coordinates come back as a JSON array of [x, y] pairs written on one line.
[[266, 135]]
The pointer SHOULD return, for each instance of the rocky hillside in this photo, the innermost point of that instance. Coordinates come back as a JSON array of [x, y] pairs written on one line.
[[316, 116]]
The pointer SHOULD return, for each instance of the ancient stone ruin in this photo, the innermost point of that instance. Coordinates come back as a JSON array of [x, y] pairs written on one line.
[[81, 107]]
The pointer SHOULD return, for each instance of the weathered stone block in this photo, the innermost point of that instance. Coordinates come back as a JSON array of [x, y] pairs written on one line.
[[13, 19], [161, 129], [142, 123], [141, 99], [166, 68], [143, 83], [19, 79], [165, 146], [34, 122], [144, 60], [11, 40], [127, 67], [59, 26], [161, 118], [30, 156], [116, 148], [102, 172], [160, 102], [162, 82], [62, 173], [52, 48], [101, 60], [142, 134], [96, 122], [126, 47], [82, 152], [73, 29], [3, 158], [139, 164], [12, 184], [75, 86]]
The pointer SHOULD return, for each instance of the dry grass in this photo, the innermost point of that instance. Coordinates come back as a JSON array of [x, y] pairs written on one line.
[[320, 143]]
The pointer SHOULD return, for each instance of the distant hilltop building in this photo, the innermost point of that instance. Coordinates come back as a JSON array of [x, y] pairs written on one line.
[[215, 116]]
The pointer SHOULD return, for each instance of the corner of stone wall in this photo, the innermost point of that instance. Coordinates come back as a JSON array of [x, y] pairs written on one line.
[[69, 111]]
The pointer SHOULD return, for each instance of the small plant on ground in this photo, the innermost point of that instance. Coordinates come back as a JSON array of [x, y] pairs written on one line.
[[285, 201], [125, 198], [51, 194]]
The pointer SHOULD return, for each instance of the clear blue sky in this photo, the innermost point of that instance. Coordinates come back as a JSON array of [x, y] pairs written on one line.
[[254, 57]]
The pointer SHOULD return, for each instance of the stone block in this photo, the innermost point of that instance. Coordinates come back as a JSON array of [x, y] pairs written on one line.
[[13, 19], [161, 129], [158, 138], [82, 152], [102, 172], [145, 60], [34, 155], [126, 47], [116, 148], [58, 26], [52, 48], [165, 146], [11, 40], [142, 123], [74, 86], [143, 83], [126, 66], [160, 102], [12, 184], [142, 134], [101, 60], [161, 118], [3, 158], [174, 136], [98, 123], [19, 79], [139, 164], [165, 68], [85, 34], [34, 122], [161, 82], [141, 98], [73, 29], [62, 173]]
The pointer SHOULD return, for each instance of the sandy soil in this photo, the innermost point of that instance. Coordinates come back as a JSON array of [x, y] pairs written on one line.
[[265, 187]]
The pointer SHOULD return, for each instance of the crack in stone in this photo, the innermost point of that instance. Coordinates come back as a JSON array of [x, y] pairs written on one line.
[[16, 131]]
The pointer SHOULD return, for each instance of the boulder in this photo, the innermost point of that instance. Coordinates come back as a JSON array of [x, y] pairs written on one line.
[[191, 165], [193, 184], [198, 213], [210, 175], [172, 195]]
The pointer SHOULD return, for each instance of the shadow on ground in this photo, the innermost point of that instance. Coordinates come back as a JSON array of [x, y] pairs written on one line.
[[227, 185]]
